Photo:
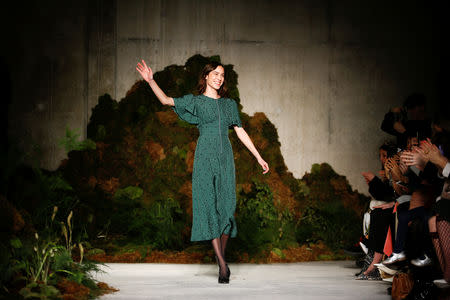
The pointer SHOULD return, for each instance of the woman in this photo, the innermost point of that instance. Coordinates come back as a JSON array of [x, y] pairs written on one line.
[[439, 223], [213, 176], [380, 214]]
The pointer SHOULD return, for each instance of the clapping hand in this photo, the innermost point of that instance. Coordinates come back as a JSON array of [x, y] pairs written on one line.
[[146, 72], [432, 152], [402, 167], [395, 168], [390, 164], [416, 157]]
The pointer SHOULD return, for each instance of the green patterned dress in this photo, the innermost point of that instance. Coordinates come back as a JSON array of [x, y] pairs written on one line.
[[213, 177]]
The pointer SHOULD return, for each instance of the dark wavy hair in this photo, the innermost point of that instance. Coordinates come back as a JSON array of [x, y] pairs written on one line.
[[390, 148], [201, 86]]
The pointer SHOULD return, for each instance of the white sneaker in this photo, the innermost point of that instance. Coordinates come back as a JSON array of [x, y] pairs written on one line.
[[395, 257], [422, 262], [385, 269], [441, 283]]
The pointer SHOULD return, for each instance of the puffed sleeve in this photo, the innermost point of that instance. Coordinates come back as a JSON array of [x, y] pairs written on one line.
[[186, 109], [235, 119]]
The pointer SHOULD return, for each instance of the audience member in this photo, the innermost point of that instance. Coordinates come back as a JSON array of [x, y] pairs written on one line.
[[380, 217]]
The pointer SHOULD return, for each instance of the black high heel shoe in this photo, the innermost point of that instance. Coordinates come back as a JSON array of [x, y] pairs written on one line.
[[221, 278], [224, 279]]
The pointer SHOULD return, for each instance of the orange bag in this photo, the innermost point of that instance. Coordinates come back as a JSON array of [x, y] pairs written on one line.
[[401, 286]]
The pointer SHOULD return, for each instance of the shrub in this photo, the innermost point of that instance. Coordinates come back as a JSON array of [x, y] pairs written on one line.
[[160, 225], [71, 141], [128, 196], [260, 223], [331, 223]]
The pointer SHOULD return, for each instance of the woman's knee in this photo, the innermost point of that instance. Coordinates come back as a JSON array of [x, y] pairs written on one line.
[[432, 224]]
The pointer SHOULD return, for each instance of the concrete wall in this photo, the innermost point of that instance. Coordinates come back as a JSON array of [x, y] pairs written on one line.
[[46, 52], [324, 72]]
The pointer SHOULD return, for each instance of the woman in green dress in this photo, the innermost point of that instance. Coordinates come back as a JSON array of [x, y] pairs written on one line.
[[213, 176]]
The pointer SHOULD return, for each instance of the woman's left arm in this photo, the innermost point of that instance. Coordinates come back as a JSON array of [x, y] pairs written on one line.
[[245, 139]]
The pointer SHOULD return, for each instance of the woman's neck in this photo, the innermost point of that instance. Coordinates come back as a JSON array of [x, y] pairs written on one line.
[[211, 93]]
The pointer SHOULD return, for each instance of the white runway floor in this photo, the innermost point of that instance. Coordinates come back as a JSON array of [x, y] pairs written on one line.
[[309, 280]]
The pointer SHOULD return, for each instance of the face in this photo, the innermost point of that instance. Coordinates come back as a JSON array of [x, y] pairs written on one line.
[[412, 142], [437, 128], [215, 78], [417, 113], [383, 156]]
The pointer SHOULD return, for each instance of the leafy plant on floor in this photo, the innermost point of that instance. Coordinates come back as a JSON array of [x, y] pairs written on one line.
[[49, 261], [39, 266], [35, 254], [39, 290], [38, 270]]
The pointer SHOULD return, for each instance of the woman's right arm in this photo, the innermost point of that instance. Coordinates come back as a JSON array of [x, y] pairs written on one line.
[[147, 75]]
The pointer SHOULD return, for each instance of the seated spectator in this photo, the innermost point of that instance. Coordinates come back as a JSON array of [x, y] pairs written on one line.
[[439, 223], [380, 216], [412, 205]]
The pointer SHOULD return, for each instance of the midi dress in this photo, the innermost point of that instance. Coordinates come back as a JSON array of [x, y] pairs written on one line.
[[213, 176]]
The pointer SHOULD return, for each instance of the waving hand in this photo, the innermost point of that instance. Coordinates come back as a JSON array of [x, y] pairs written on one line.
[[145, 71], [147, 74]]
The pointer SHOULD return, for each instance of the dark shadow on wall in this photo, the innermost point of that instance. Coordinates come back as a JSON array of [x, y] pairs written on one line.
[[5, 87], [441, 25]]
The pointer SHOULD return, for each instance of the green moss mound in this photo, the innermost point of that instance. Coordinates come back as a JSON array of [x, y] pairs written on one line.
[[136, 183]]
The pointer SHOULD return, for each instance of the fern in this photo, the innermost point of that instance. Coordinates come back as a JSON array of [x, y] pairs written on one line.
[[71, 141]]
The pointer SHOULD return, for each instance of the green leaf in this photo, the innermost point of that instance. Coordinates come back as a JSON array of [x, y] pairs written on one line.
[[128, 195], [62, 260], [278, 252], [16, 243]]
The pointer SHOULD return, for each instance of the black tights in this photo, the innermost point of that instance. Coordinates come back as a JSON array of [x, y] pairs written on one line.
[[219, 245], [404, 216], [441, 241]]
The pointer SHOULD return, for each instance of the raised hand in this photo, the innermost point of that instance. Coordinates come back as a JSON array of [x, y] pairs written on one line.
[[390, 164], [433, 153], [146, 72], [264, 165], [395, 168], [416, 157], [403, 167]]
